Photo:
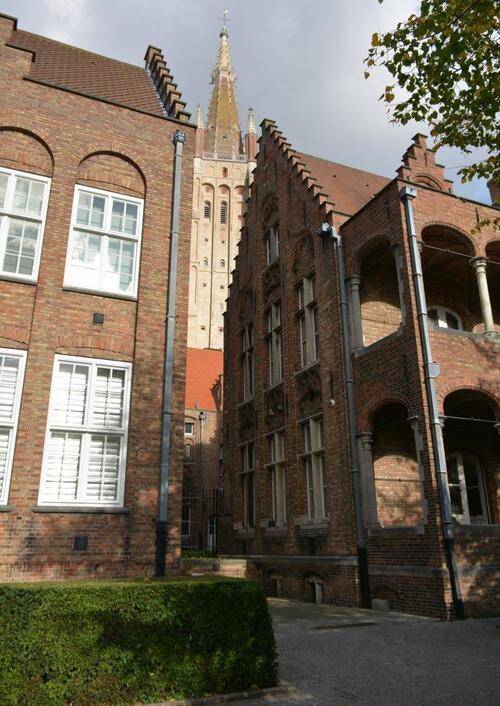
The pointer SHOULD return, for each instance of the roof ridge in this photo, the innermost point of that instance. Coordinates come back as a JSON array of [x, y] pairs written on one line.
[[341, 164]]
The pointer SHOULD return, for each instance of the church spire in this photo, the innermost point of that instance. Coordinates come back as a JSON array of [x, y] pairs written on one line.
[[222, 133]]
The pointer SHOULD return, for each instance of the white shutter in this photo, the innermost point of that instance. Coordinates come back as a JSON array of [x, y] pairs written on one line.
[[4, 455], [108, 398], [9, 372], [70, 394], [104, 468], [63, 463]]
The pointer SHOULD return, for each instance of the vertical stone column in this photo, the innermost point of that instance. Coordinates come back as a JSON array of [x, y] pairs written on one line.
[[365, 446], [479, 265], [357, 326], [413, 421]]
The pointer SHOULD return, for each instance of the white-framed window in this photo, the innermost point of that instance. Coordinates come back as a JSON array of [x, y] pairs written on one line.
[[104, 243], [23, 209], [207, 209], [12, 365], [467, 489], [248, 482], [276, 467], [188, 428], [272, 244], [308, 322], [223, 212], [442, 317], [86, 441], [313, 460], [274, 344], [248, 362]]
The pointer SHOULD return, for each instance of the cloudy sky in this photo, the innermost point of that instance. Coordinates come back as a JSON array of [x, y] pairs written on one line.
[[299, 62]]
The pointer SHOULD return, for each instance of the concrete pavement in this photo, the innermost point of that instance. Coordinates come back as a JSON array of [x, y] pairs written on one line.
[[341, 656]]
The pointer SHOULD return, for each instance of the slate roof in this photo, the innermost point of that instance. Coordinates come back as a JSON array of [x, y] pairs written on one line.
[[348, 188], [94, 75], [204, 367]]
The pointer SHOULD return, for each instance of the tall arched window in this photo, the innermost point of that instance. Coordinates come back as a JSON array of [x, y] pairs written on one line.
[[224, 172], [443, 317], [207, 209], [222, 263], [223, 212], [466, 485]]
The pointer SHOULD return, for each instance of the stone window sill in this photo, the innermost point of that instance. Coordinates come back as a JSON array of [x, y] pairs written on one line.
[[7, 508], [399, 531], [80, 509]]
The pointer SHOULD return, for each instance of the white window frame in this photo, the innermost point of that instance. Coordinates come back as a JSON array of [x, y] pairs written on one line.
[[8, 214], [441, 314], [274, 344], [272, 244], [248, 362], [464, 518], [12, 423], [313, 459], [106, 233], [86, 430], [188, 433], [248, 473], [276, 468], [308, 322]]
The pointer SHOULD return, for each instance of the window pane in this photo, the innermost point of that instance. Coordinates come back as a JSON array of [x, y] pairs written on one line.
[[117, 216], [108, 398], [20, 248], [9, 371], [474, 501], [452, 469], [4, 453], [83, 211], [456, 500], [124, 217], [61, 481], [307, 437], [433, 316], [3, 188], [97, 212], [70, 394], [85, 260], [452, 321], [120, 265], [21, 194], [103, 471]]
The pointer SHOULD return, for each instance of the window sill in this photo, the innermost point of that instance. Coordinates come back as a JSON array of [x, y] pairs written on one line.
[[307, 367], [19, 280], [7, 508], [100, 293], [82, 509]]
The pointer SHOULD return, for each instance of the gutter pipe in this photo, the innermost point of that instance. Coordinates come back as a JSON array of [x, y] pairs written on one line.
[[431, 371], [328, 230], [178, 139]]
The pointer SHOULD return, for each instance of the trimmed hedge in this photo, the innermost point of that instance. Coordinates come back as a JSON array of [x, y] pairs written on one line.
[[115, 643]]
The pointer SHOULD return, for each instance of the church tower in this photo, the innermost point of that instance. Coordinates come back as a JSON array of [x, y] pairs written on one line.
[[222, 171]]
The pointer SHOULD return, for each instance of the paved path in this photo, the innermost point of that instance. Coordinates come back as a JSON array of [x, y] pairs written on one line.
[[340, 657]]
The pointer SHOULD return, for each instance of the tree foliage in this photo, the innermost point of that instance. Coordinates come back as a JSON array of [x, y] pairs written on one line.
[[447, 62]]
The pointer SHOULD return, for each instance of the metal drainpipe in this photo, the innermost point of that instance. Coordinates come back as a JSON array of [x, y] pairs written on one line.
[[201, 468], [178, 139], [327, 229], [431, 371]]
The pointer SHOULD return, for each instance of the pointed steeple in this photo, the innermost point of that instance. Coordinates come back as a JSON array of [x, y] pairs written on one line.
[[251, 129], [222, 133]]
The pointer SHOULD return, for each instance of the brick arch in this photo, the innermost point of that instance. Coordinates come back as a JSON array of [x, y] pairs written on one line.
[[365, 419], [427, 180], [95, 346], [112, 170], [451, 227], [24, 149], [450, 388], [367, 246]]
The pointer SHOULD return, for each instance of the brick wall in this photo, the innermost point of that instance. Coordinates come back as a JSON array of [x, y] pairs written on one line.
[[77, 139]]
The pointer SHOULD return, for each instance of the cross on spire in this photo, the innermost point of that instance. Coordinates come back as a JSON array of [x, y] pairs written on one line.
[[224, 20]]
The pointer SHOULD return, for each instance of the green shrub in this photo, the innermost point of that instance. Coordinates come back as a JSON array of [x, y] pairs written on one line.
[[114, 643]]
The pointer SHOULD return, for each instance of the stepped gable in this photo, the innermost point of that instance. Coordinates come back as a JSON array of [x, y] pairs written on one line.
[[337, 187], [420, 166], [74, 69]]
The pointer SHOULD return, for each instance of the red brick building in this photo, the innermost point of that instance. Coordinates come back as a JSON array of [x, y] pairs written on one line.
[[94, 257], [202, 502], [361, 385]]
